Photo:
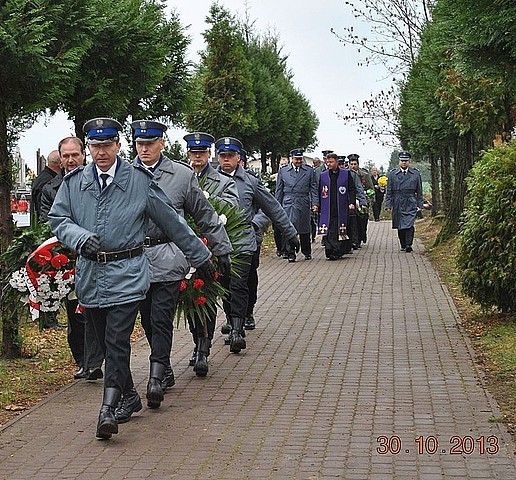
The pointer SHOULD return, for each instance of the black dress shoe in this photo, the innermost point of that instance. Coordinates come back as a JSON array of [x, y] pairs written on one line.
[[308, 257], [81, 373], [291, 259], [402, 249], [409, 249], [129, 403], [168, 379], [249, 323], [191, 362], [94, 374]]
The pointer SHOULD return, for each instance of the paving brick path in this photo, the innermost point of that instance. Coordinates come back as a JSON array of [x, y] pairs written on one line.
[[348, 358]]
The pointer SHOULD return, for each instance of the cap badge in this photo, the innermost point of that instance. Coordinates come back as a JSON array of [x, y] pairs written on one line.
[[99, 122]]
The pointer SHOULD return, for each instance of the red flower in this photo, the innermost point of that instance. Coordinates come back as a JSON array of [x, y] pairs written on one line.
[[59, 261], [43, 257], [182, 287], [216, 275], [68, 274], [363, 181], [198, 283], [200, 300], [203, 240]]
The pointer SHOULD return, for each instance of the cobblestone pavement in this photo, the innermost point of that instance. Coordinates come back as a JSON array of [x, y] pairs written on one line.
[[357, 370]]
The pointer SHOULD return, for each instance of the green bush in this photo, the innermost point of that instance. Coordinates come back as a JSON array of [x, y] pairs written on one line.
[[487, 247]]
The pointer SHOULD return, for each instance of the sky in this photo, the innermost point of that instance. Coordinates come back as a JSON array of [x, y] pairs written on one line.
[[325, 70]]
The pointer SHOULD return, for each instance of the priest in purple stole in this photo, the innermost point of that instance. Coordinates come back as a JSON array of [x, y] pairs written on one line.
[[337, 195]]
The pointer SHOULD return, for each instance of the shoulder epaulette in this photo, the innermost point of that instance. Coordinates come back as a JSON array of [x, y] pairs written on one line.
[[74, 172]]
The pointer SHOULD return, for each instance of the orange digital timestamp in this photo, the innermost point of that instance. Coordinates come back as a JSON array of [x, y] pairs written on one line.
[[429, 444]]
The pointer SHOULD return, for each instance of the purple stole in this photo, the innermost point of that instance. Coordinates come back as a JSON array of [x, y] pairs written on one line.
[[342, 203]]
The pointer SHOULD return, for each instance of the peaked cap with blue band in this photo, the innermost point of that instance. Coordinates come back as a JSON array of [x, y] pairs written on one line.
[[297, 152], [326, 152], [147, 130], [199, 141], [228, 143], [404, 156], [353, 156], [102, 130]]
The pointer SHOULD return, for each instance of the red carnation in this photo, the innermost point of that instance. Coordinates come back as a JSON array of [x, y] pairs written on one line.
[[198, 283], [200, 300], [182, 287], [59, 261], [203, 240]]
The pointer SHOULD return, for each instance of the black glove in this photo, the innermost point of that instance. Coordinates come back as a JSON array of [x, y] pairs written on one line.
[[91, 246], [224, 264], [206, 270], [293, 244]]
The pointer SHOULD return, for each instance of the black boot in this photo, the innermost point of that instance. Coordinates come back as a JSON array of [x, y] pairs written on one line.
[[168, 379], [226, 328], [107, 424], [201, 361], [237, 335], [130, 403], [155, 393], [191, 362]]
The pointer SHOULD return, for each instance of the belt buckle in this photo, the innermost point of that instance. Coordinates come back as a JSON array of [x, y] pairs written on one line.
[[102, 257], [147, 242]]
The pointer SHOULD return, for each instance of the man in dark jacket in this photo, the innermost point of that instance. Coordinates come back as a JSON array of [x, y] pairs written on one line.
[[51, 170], [81, 337], [404, 197]]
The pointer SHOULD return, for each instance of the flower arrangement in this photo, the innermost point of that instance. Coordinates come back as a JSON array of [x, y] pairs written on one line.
[[47, 277], [382, 181], [198, 297]]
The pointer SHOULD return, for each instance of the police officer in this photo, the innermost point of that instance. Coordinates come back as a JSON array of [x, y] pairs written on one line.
[[198, 146], [252, 196], [297, 192], [101, 211], [168, 266], [404, 197]]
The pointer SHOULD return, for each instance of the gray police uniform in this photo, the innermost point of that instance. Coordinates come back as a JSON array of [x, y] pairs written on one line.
[[168, 266]]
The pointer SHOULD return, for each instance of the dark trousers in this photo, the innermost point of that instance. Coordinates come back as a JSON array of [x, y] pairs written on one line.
[[306, 243], [157, 317], [113, 326], [93, 351], [406, 236], [198, 329], [362, 221], [377, 207], [76, 332], [353, 231], [278, 240], [252, 282], [236, 304], [82, 338]]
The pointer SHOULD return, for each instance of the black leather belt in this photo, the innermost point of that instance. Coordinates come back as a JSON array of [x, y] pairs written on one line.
[[151, 242], [104, 257]]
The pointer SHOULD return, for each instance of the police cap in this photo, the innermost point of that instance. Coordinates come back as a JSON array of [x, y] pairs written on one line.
[[353, 156], [404, 156], [198, 141], [147, 130], [341, 159], [102, 130], [297, 152], [228, 143], [325, 153]]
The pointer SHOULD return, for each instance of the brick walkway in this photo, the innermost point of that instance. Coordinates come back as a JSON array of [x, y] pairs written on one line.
[[348, 357]]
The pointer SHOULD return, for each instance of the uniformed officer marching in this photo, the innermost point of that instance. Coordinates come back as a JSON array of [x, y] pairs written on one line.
[[404, 196], [252, 196], [101, 211]]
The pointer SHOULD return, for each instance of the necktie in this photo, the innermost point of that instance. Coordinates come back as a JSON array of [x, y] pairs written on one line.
[[404, 172], [104, 177]]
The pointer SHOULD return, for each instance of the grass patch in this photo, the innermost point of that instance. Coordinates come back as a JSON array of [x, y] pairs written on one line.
[[46, 366], [492, 334]]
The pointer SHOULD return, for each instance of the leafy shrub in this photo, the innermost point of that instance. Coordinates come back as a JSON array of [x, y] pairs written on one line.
[[487, 247]]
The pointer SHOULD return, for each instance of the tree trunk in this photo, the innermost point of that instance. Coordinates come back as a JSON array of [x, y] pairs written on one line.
[[446, 179], [434, 172], [10, 346], [462, 166], [263, 157]]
